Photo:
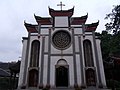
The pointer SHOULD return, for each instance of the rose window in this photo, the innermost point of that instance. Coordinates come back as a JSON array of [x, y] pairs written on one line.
[[61, 39]]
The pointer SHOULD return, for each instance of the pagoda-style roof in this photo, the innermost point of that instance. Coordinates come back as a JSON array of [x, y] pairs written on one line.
[[91, 27], [79, 20], [30, 27], [43, 21], [68, 13]]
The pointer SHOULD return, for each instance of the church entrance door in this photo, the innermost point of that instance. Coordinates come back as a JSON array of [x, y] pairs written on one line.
[[33, 78], [61, 76]]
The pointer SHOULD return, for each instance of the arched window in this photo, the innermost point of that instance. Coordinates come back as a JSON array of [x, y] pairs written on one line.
[[88, 53], [34, 59]]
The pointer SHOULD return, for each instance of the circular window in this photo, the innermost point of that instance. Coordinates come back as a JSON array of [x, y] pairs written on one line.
[[61, 39]]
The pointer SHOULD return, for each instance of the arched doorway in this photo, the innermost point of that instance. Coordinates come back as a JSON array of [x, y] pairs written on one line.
[[33, 78], [61, 76], [90, 77]]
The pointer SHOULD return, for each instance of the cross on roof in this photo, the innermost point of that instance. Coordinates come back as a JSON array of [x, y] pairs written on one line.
[[61, 5]]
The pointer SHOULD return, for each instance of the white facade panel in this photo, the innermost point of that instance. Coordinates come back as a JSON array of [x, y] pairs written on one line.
[[46, 43], [76, 25], [88, 33], [44, 31], [78, 69], [45, 67], [52, 69], [100, 62], [61, 21], [78, 31], [21, 75], [76, 44], [46, 26], [69, 60], [54, 50], [68, 50]]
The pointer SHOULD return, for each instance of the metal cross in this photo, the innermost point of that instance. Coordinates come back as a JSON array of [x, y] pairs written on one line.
[[61, 5]]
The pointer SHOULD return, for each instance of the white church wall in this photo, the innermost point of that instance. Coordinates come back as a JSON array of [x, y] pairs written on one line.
[[57, 29], [76, 44], [82, 50], [45, 67], [61, 21], [46, 43], [83, 60], [54, 60], [68, 50], [46, 25], [76, 25], [28, 63], [54, 50], [44, 31], [78, 31], [88, 33], [33, 34], [40, 55], [69, 60], [78, 69], [100, 62], [21, 75]]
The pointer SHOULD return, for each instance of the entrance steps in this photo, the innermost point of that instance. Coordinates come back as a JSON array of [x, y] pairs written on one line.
[[31, 88], [94, 88], [48, 89], [62, 88]]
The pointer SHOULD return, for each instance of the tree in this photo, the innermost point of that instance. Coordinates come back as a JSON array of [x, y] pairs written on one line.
[[114, 16]]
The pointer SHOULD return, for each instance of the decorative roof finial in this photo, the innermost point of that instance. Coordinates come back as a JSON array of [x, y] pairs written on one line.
[[61, 5]]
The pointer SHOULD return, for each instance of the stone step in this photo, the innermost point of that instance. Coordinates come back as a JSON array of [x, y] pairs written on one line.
[[94, 88], [62, 88]]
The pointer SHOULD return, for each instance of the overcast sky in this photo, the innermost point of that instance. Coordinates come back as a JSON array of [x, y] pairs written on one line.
[[14, 12]]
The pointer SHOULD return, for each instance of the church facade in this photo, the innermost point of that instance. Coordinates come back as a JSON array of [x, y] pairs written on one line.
[[61, 51]]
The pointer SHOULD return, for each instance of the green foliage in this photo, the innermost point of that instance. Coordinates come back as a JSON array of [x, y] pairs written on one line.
[[113, 83], [4, 83], [110, 44], [114, 16]]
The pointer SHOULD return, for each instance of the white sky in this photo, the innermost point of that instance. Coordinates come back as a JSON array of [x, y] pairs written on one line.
[[14, 12]]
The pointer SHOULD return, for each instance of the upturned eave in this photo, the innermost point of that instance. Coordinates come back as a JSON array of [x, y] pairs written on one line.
[[54, 13], [31, 28]]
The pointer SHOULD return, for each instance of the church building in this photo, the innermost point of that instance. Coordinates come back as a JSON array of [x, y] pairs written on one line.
[[61, 51]]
